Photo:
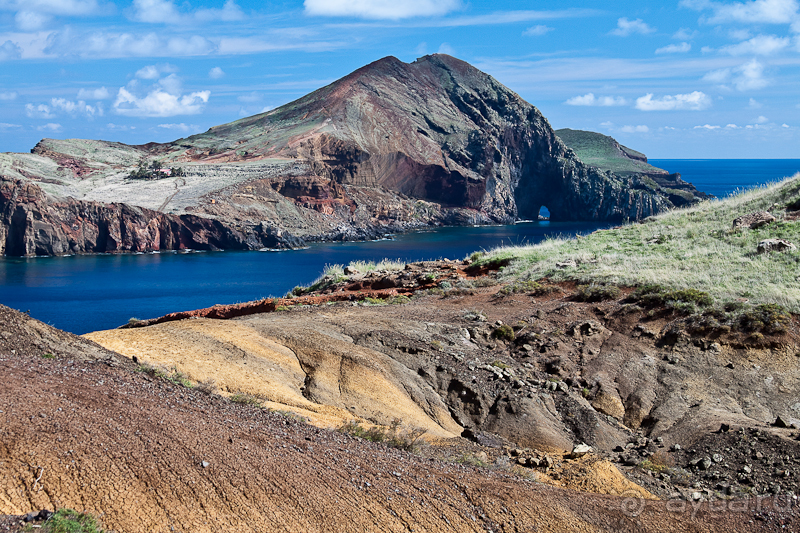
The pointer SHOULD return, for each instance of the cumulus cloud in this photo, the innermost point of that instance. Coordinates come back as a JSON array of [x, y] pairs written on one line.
[[634, 129], [746, 77], [151, 72], [535, 31], [754, 12], [159, 103], [706, 127], [8, 96], [759, 45], [10, 50], [180, 127], [76, 108], [754, 104], [380, 9], [684, 34], [784, 125], [166, 12], [94, 94], [39, 111], [733, 127], [761, 120], [31, 20], [51, 127], [674, 48], [590, 99], [627, 27], [694, 101], [216, 73]]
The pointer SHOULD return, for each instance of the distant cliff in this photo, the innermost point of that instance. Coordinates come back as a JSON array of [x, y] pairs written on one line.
[[606, 153], [390, 147]]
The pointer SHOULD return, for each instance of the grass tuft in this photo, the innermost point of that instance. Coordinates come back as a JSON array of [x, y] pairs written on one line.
[[69, 521]]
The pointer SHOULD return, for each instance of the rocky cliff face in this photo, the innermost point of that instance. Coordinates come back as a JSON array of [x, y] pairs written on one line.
[[390, 147]]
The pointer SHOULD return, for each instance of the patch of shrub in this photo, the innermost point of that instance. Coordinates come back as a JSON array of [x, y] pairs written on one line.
[[658, 462], [69, 521], [519, 286], [597, 293], [766, 318], [393, 436], [504, 333], [173, 375], [48, 355], [684, 301], [243, 398]]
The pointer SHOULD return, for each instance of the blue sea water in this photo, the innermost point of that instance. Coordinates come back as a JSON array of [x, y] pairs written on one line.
[[722, 177], [88, 293]]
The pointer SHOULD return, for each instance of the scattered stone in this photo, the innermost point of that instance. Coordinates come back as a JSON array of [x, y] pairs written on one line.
[[580, 450], [676, 447], [569, 263], [775, 245], [753, 220], [205, 464], [781, 422], [717, 458]]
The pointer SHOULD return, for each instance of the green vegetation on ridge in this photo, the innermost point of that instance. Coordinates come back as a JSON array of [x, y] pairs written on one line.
[[605, 152], [694, 248]]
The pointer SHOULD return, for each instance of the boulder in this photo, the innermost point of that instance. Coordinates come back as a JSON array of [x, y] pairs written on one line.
[[753, 220], [775, 245]]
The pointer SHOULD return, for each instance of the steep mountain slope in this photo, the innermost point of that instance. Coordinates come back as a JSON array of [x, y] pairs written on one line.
[[390, 147], [80, 429]]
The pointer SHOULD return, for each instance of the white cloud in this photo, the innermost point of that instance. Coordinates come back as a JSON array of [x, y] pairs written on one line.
[[634, 129], [694, 101], [39, 111], [706, 127], [750, 76], [746, 77], [755, 12], [759, 45], [32, 20], [93, 94], [761, 120], [627, 27], [105, 45], [151, 72], [7, 126], [156, 11], [159, 103], [733, 127], [675, 48], [230, 12], [535, 31], [10, 50], [54, 7], [181, 127], [784, 125], [599, 101], [51, 127], [740, 34], [165, 12], [445, 48], [754, 104], [216, 73], [684, 34], [670, 128], [8, 95], [76, 108], [119, 127], [380, 9]]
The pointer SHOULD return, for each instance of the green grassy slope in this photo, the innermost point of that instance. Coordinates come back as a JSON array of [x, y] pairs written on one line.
[[693, 248], [605, 152]]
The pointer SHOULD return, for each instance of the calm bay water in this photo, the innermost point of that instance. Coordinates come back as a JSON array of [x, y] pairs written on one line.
[[87, 293]]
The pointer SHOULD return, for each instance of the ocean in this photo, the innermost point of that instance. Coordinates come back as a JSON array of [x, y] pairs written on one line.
[[88, 293]]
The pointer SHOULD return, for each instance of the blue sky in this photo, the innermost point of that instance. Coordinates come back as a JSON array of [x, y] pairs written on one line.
[[674, 79]]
